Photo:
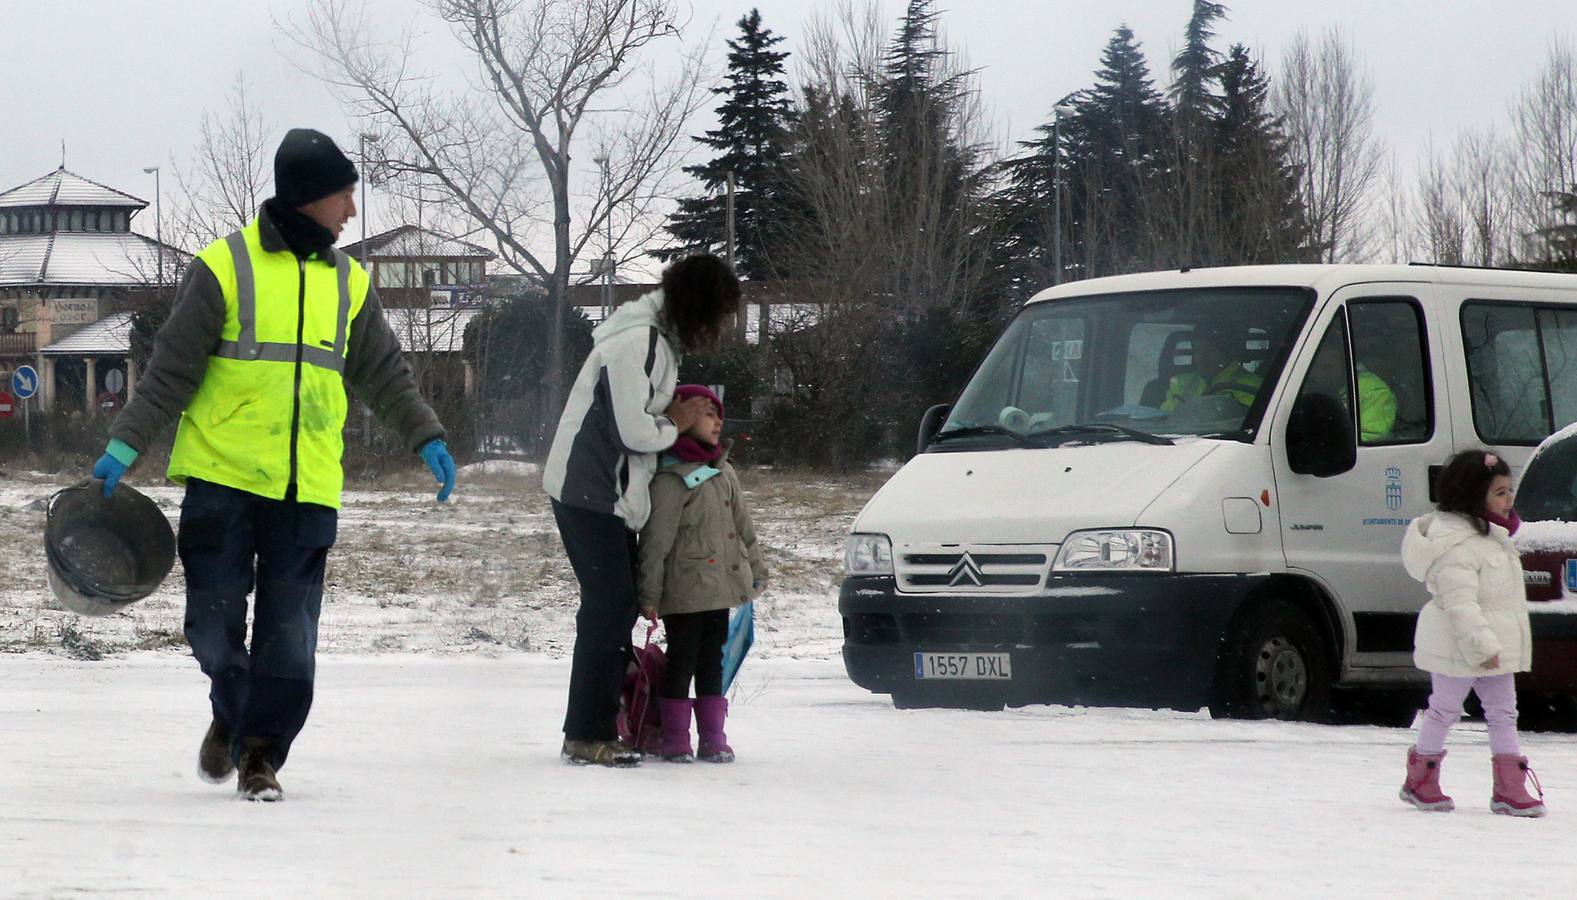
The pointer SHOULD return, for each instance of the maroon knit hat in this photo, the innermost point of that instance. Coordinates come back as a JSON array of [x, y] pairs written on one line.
[[686, 391]]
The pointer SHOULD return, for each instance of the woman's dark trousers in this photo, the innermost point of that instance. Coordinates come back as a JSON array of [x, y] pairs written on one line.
[[601, 550], [228, 541]]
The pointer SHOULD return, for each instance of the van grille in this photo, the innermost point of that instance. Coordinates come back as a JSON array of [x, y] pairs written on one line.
[[979, 569]]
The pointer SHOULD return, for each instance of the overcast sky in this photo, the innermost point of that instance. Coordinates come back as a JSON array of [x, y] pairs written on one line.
[[123, 82]]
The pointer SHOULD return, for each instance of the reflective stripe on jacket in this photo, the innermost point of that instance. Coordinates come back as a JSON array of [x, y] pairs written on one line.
[[271, 407]]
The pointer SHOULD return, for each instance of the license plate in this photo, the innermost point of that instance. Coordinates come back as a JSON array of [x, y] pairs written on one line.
[[964, 666]]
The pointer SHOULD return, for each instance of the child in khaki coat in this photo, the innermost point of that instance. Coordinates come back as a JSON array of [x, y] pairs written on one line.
[[699, 559]]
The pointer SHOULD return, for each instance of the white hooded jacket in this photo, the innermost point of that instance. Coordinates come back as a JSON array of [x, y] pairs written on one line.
[[605, 450], [1477, 607]]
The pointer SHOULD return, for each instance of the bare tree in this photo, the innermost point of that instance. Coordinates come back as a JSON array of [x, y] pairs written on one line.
[[1327, 107], [500, 152], [229, 173], [1545, 125]]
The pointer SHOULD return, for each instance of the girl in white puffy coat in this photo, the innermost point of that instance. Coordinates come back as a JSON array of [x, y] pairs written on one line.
[[1473, 634]]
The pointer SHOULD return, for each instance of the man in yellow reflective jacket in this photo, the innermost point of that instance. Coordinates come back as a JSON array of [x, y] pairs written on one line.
[[269, 326], [1213, 373]]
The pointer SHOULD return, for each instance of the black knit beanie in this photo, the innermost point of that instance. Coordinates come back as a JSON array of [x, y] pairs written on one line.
[[309, 167]]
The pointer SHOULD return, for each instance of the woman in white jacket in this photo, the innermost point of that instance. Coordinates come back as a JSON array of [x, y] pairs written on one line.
[[1473, 634]]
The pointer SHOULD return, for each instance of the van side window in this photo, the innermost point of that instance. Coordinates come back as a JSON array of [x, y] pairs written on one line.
[[1392, 369], [1507, 370], [1329, 373]]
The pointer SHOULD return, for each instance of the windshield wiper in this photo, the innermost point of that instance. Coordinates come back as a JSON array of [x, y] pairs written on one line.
[[1134, 433], [984, 431]]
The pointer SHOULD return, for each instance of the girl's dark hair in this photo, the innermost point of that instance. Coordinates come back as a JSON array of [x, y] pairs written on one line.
[[699, 294], [1463, 484]]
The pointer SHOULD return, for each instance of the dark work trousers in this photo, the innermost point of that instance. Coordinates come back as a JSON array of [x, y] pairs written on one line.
[[695, 649], [601, 550], [228, 540]]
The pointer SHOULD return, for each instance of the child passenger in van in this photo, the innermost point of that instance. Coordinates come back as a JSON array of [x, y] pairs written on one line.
[[1473, 634], [699, 559]]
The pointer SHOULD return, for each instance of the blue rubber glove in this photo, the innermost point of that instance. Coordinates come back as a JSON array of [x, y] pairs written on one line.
[[117, 458], [436, 454]]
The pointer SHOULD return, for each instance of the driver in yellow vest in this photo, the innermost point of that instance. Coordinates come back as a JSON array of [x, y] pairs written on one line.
[[269, 326], [1213, 373]]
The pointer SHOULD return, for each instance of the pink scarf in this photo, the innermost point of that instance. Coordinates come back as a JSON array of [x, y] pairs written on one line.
[[1511, 523]]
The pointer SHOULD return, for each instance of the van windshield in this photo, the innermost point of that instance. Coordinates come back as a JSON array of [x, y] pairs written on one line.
[[1129, 366]]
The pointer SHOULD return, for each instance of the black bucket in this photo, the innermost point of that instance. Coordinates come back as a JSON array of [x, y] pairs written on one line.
[[105, 553]]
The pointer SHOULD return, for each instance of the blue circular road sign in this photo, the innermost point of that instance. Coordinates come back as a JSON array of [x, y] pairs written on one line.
[[24, 382]]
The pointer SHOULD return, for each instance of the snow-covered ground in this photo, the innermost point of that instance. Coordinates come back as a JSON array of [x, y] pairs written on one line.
[[430, 768], [438, 777]]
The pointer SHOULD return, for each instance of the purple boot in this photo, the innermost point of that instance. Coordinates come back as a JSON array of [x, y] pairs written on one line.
[[675, 717], [710, 711], [1422, 788]]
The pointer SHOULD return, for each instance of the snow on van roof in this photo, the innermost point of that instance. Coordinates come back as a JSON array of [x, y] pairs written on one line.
[[1322, 278]]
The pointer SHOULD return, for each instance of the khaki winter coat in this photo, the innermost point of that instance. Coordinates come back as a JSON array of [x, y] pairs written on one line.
[[698, 550], [1478, 606]]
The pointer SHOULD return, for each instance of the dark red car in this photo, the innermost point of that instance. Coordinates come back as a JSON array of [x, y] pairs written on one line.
[[1547, 502]]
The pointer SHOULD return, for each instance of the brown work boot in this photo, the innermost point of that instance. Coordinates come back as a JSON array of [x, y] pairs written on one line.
[[213, 757], [600, 753], [257, 780]]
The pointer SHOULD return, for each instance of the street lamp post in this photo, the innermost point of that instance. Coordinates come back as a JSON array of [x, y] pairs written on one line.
[[607, 260], [367, 137], [158, 227], [1060, 110]]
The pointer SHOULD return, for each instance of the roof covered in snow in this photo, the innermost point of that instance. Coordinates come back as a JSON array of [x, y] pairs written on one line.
[[109, 336], [409, 241], [435, 329], [84, 258], [63, 188]]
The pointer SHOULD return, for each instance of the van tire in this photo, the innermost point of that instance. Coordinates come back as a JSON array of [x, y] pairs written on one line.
[[1273, 664]]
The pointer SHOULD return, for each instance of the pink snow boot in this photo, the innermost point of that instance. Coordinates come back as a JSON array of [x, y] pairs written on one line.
[[1422, 788], [675, 718], [710, 711], [1510, 796]]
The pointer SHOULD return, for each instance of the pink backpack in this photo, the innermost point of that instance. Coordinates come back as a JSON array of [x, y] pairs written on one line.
[[638, 724]]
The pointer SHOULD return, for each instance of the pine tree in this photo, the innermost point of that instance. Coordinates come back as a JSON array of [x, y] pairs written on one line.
[[1194, 70], [932, 176], [751, 137], [1560, 238], [1113, 156], [1260, 215]]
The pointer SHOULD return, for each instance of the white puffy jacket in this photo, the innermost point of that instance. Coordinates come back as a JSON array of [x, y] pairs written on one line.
[[1478, 607]]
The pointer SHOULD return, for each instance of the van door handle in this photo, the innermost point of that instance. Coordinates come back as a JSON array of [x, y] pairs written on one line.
[[1434, 476]]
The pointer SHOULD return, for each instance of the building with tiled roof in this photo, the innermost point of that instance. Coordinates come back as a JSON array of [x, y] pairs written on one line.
[[70, 261], [415, 267]]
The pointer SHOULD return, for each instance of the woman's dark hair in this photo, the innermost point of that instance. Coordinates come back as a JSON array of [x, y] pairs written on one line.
[[1463, 484], [699, 294]]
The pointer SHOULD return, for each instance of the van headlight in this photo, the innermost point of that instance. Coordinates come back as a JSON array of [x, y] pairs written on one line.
[[1116, 549], [868, 554]]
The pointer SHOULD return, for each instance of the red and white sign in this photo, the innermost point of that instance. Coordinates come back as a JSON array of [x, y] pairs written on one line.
[[7, 405], [109, 401]]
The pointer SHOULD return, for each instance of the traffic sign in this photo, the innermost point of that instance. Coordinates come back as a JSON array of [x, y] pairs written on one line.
[[114, 380], [7, 405], [24, 381]]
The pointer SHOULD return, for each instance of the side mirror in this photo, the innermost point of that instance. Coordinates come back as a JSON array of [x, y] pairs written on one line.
[[1320, 438], [929, 423]]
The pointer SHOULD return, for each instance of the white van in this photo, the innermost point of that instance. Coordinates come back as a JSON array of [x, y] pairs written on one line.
[[1189, 488]]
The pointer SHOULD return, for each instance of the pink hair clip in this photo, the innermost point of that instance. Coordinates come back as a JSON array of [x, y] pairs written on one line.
[[1491, 460]]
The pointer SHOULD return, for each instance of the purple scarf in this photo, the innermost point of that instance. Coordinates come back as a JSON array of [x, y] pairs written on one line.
[[689, 449], [1510, 523]]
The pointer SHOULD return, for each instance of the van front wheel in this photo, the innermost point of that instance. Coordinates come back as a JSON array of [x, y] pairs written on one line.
[[1273, 665]]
